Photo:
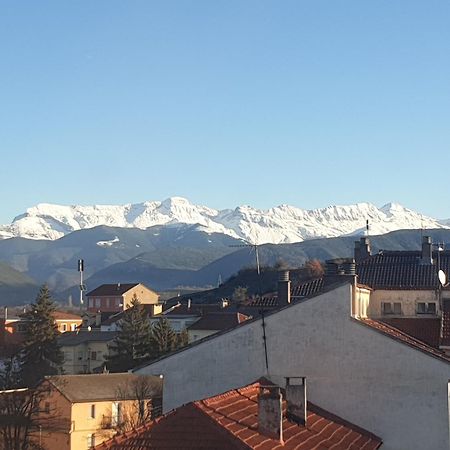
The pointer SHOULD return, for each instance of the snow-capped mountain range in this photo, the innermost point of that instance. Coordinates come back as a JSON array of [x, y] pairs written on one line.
[[281, 224]]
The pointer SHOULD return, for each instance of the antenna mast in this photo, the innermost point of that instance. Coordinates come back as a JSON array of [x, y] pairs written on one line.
[[82, 286]]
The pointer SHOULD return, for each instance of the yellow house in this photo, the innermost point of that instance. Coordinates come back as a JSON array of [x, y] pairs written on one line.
[[85, 351], [117, 297], [89, 409], [66, 321]]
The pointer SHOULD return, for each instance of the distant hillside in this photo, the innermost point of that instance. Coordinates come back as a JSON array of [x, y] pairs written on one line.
[[168, 258], [55, 262], [15, 287], [292, 255]]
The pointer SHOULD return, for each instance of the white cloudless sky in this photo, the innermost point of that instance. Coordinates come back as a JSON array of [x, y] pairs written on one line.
[[309, 103]]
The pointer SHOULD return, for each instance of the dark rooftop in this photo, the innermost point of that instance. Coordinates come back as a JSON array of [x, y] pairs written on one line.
[[219, 321], [70, 338], [110, 386], [401, 270], [111, 289]]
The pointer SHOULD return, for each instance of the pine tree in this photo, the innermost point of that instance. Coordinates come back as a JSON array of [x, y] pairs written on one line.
[[164, 339], [132, 346], [41, 354]]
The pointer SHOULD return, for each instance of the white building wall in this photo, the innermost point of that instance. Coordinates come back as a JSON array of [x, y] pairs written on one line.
[[366, 377]]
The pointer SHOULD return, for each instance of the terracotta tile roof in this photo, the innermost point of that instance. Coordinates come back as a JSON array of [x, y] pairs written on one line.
[[427, 330], [61, 315], [219, 321], [403, 337], [98, 387], [401, 269], [111, 289], [230, 421]]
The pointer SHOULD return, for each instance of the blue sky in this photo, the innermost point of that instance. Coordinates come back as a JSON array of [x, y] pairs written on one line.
[[309, 103]]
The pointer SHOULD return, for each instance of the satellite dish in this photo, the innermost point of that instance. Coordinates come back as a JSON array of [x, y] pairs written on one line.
[[442, 277]]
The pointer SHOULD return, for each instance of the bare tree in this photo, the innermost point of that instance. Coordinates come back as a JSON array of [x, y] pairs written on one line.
[[24, 416], [138, 401]]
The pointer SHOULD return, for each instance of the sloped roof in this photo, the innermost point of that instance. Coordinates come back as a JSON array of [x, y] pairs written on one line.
[[114, 317], [230, 421], [306, 289], [110, 386], [111, 289], [219, 321], [61, 315], [70, 338], [404, 338], [401, 270], [427, 330]]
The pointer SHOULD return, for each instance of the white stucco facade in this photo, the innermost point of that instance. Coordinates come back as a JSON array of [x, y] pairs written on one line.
[[389, 388]]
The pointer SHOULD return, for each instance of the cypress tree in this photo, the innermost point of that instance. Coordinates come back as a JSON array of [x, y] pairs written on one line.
[[164, 339], [41, 354], [132, 344]]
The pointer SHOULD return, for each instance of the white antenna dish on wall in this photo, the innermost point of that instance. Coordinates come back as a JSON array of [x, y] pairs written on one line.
[[442, 277]]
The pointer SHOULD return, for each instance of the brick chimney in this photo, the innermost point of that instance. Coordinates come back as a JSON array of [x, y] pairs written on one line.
[[296, 400], [284, 288], [362, 249], [427, 251], [270, 412]]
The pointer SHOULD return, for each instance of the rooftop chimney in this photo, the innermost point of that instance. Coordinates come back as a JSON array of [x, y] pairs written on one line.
[[270, 412], [362, 249], [296, 400], [427, 251], [284, 288], [337, 270]]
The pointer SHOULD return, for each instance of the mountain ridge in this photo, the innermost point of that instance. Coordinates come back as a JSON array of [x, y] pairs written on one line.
[[276, 225]]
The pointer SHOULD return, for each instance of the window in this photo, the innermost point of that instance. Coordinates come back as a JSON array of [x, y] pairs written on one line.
[[92, 411], [116, 416], [391, 308], [97, 303], [64, 327], [91, 441], [93, 356], [73, 326], [67, 356], [117, 301], [91, 303], [47, 407], [426, 308]]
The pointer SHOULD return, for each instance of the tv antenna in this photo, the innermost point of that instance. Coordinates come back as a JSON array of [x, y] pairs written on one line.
[[82, 286], [254, 247]]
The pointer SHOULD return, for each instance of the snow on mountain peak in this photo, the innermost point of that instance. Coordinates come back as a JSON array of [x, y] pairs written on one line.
[[280, 224]]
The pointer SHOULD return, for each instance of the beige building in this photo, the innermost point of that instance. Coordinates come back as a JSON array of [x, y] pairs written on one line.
[[67, 321], [85, 351], [117, 297], [82, 411]]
